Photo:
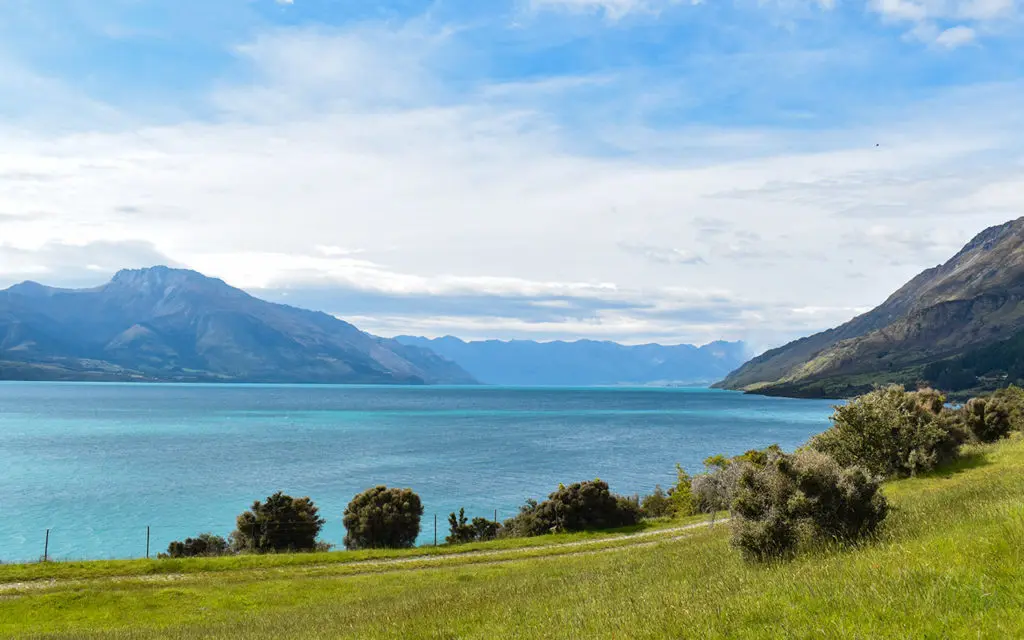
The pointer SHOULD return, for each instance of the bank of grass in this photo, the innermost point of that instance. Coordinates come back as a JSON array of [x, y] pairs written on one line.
[[93, 569], [947, 564]]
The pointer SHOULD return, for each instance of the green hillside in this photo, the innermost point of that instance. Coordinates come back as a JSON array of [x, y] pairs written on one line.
[[971, 302], [948, 565]]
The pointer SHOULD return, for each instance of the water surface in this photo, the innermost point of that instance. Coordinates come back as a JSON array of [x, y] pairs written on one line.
[[97, 463]]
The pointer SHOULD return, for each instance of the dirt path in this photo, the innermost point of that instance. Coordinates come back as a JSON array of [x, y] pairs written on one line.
[[576, 548]]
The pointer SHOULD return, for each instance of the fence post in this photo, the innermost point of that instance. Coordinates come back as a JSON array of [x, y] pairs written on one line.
[[147, 542], [495, 516], [435, 529], [46, 546]]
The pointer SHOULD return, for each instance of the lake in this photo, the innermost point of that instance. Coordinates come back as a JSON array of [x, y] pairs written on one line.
[[98, 463]]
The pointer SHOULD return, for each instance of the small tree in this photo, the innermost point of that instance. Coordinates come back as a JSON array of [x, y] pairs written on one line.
[[281, 523], [383, 518], [713, 490], [484, 529], [656, 505], [460, 531], [205, 544], [681, 495]]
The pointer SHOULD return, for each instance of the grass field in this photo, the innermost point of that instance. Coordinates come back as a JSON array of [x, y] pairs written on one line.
[[947, 565]]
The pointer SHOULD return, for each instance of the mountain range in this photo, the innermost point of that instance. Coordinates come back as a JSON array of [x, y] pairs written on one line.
[[586, 362], [162, 324], [958, 326]]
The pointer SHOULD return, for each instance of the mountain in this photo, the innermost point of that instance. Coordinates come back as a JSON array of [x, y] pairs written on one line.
[[933, 324], [172, 324], [585, 362]]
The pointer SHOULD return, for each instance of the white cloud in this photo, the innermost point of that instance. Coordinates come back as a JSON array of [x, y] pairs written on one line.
[[955, 37], [919, 10], [900, 9], [985, 9], [343, 164], [613, 9], [662, 255], [931, 18]]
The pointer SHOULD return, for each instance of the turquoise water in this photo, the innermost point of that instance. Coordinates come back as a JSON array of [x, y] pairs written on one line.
[[97, 463]]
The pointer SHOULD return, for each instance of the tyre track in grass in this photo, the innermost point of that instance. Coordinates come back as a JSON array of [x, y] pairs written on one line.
[[642, 539]]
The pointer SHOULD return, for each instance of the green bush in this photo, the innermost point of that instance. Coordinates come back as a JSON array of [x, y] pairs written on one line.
[[681, 495], [843, 504], [578, 507], [461, 530], [591, 505], [712, 490], [484, 529], [807, 496], [383, 518], [657, 505], [987, 419], [1012, 398], [205, 544], [893, 432], [282, 523], [530, 521]]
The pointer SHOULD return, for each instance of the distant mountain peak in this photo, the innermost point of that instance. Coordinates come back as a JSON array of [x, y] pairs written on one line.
[[162, 323], [31, 288], [162, 280], [158, 274]]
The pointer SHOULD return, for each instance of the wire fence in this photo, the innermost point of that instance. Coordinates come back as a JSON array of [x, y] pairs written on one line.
[[148, 541]]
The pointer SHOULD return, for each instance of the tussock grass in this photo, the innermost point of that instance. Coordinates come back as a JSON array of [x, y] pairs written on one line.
[[948, 563]]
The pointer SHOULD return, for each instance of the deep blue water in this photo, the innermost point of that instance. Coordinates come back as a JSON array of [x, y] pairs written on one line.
[[97, 463]]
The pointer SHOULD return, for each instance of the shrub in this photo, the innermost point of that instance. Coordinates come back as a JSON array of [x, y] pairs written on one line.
[[577, 507], [205, 544], [282, 523], [987, 419], [530, 521], [383, 518], [591, 505], [892, 432], [484, 529], [763, 527], [657, 505], [803, 496], [1013, 399], [712, 491], [681, 495], [461, 530], [842, 504]]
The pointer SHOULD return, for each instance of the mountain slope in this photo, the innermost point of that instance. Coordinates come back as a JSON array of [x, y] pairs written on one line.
[[585, 362], [172, 324], [971, 301]]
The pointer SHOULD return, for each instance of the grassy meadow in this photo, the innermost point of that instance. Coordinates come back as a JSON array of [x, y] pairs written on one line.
[[949, 563]]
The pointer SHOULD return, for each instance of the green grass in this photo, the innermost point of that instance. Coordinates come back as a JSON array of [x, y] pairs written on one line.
[[128, 568], [948, 564]]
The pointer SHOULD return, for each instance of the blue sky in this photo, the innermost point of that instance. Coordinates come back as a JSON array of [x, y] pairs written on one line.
[[636, 170]]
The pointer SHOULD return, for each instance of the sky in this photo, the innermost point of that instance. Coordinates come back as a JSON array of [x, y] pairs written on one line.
[[630, 170]]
